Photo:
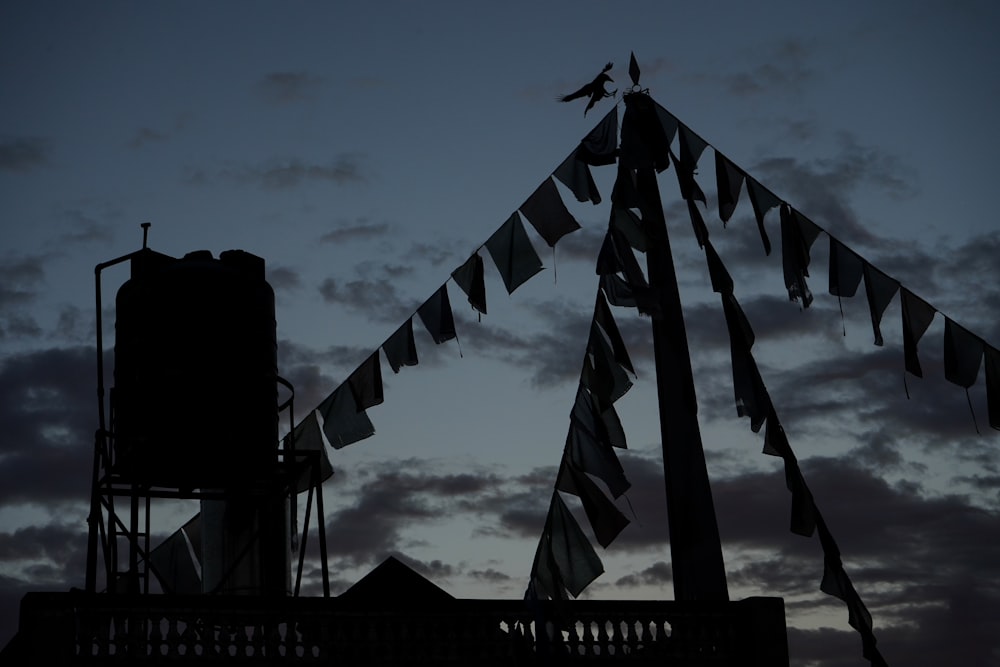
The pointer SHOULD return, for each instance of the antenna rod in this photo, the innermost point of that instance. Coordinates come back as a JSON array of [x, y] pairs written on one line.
[[145, 233]]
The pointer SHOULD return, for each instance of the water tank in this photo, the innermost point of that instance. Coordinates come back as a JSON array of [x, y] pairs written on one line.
[[195, 396]]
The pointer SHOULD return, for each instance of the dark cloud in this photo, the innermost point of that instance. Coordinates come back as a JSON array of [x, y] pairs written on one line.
[[361, 230], [146, 135], [282, 174], [283, 278], [23, 153], [288, 87], [658, 574], [489, 575], [85, 229], [379, 299], [20, 278]]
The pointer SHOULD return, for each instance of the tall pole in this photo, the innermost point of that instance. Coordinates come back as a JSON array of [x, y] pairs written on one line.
[[695, 549]]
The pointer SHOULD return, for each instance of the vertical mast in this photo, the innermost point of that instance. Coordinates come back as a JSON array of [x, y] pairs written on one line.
[[695, 549]]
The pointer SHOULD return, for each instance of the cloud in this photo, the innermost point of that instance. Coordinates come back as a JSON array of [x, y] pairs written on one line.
[[361, 230], [283, 278], [146, 135], [283, 174], [85, 229], [23, 153], [784, 70], [20, 277], [288, 87]]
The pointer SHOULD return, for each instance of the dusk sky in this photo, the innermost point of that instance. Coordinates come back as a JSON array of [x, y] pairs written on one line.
[[366, 150]]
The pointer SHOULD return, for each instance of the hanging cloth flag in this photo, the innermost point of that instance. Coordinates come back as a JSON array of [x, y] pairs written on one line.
[[798, 233], [880, 289], [604, 319], [697, 223], [691, 147], [308, 437], [600, 146], [606, 519], [690, 190], [762, 200], [917, 316], [470, 277], [400, 349], [963, 353], [836, 583], [803, 519], [604, 426], [548, 214], [729, 180], [513, 254], [752, 398], [436, 315], [993, 385], [630, 226], [668, 121], [602, 374], [575, 175], [366, 382], [343, 423], [845, 274], [577, 562], [177, 560], [588, 454], [624, 193]]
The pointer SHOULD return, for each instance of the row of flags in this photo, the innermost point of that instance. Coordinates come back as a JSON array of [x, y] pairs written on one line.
[[565, 561]]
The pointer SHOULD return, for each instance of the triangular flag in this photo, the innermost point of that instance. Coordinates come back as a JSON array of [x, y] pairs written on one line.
[[690, 190], [963, 353], [576, 559], [697, 223], [600, 146], [630, 226], [548, 214], [436, 315], [845, 269], [729, 180], [722, 282], [691, 147], [176, 562], [575, 175], [513, 254], [605, 518], [400, 349], [762, 200], [470, 277], [605, 427], [797, 236], [668, 121], [343, 423], [602, 374], [917, 316], [588, 454], [366, 382], [604, 318], [880, 289], [308, 437]]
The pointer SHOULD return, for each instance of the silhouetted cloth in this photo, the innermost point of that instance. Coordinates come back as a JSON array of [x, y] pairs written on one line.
[[762, 200], [602, 374], [437, 317], [668, 121], [722, 282], [798, 234], [400, 349], [470, 277], [752, 399], [565, 558], [513, 254], [366, 382], [845, 269], [575, 174], [605, 518], [803, 516], [600, 146], [963, 353], [690, 146], [308, 437], [880, 289], [917, 316], [604, 318], [697, 223], [729, 180], [630, 226], [993, 385], [616, 256], [602, 425], [177, 560], [547, 213], [590, 455], [690, 190], [343, 423], [618, 291]]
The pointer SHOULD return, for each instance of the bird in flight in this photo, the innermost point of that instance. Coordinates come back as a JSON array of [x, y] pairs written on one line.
[[595, 89]]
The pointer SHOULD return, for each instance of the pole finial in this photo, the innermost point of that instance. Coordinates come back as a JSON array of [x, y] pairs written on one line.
[[145, 233]]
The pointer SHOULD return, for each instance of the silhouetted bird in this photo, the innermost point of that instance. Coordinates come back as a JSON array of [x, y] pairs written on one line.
[[595, 89]]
